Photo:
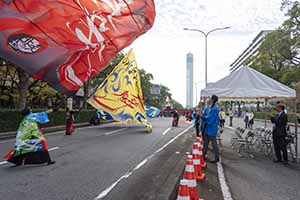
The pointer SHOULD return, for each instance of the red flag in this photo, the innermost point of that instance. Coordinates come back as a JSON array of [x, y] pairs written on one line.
[[68, 42]]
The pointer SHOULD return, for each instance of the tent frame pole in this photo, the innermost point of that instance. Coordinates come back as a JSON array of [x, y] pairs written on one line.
[[297, 149], [266, 101]]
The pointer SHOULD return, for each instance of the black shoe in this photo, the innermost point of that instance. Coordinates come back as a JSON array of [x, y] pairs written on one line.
[[214, 161], [51, 162], [277, 161]]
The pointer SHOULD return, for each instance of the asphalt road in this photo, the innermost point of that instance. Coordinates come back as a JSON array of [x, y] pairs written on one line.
[[91, 161]]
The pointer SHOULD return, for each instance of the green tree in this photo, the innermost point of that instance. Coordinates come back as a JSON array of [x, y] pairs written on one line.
[[278, 55], [176, 105]]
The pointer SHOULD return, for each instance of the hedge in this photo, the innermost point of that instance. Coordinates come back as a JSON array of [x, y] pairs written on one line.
[[10, 120], [261, 115]]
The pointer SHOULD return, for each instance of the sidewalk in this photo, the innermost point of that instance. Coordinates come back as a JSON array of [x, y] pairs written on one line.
[[259, 178]]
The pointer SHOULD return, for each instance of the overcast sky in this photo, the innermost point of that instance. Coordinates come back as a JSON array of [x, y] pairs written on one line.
[[162, 51]]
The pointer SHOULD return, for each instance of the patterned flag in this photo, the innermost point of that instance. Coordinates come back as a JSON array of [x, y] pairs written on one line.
[[64, 42], [151, 111], [120, 94]]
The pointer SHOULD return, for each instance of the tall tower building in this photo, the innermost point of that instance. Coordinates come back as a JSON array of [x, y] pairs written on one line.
[[189, 80]]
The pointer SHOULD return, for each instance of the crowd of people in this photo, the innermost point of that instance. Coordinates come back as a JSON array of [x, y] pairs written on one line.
[[208, 119]]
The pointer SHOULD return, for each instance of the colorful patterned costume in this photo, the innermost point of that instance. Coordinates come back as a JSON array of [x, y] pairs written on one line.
[[30, 146]]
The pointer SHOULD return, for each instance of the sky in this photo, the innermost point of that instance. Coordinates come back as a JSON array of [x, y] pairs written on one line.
[[162, 51]]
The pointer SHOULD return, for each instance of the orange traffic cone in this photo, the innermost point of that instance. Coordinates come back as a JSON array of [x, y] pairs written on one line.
[[202, 161], [183, 192], [198, 142], [197, 163], [199, 139], [189, 175]]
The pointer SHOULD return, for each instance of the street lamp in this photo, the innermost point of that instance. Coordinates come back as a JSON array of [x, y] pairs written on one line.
[[206, 35]]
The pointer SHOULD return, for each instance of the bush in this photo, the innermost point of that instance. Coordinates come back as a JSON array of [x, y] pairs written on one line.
[[10, 120], [261, 115]]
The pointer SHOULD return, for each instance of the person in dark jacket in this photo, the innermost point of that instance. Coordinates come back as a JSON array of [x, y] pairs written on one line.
[[279, 134], [175, 118], [197, 118], [211, 121]]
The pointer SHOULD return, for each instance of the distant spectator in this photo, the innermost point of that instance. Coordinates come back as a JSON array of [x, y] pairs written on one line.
[[246, 119], [230, 117], [251, 119], [222, 116]]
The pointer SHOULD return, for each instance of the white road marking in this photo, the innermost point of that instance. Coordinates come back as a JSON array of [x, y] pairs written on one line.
[[3, 163], [115, 131], [166, 131], [51, 149], [142, 163], [222, 180]]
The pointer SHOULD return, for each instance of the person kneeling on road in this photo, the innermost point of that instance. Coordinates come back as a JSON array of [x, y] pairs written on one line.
[[211, 120]]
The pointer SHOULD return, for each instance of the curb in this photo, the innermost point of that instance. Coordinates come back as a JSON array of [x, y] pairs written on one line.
[[12, 134]]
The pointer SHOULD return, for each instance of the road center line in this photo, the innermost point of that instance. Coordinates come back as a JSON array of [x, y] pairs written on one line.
[[166, 131], [115, 131], [141, 164], [222, 180], [51, 149]]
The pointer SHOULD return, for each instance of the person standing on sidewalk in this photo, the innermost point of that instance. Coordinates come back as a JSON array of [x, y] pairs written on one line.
[[279, 134], [222, 116], [246, 119], [197, 118], [230, 117], [205, 113], [211, 121], [251, 119], [30, 146]]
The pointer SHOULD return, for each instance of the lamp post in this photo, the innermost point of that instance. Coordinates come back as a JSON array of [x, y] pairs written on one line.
[[206, 35]]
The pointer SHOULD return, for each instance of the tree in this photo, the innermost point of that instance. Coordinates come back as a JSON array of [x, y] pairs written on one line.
[[278, 55], [176, 105]]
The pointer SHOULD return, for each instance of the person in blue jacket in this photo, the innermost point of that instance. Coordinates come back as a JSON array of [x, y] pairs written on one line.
[[211, 121], [205, 113]]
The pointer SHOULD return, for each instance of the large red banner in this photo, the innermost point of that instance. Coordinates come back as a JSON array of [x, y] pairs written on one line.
[[67, 42]]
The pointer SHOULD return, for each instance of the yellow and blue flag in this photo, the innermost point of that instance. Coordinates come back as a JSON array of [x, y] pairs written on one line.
[[120, 94]]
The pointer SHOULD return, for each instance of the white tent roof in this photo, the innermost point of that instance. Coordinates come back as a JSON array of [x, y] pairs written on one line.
[[248, 84]]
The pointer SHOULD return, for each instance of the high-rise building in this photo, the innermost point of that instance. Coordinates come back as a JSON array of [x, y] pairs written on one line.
[[251, 51], [189, 80]]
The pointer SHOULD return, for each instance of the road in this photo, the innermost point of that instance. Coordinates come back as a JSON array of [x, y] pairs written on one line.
[[106, 161]]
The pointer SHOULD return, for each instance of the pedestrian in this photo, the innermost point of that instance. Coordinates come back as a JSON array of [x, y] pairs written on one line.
[[251, 119], [280, 134], [230, 117], [197, 118], [30, 146], [246, 119], [222, 116], [175, 118], [70, 122], [205, 113], [211, 121]]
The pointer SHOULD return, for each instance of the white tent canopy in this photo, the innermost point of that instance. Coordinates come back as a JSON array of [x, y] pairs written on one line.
[[248, 84]]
